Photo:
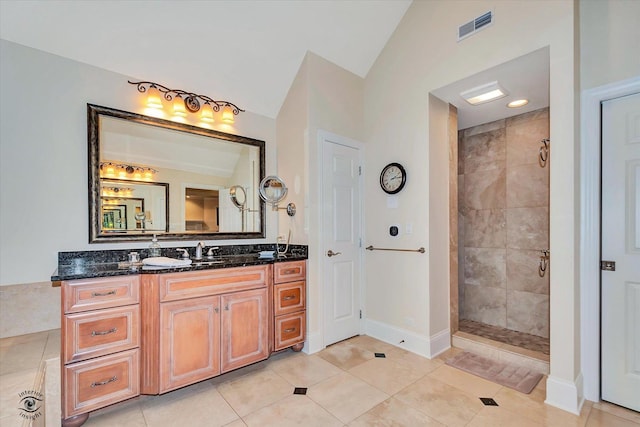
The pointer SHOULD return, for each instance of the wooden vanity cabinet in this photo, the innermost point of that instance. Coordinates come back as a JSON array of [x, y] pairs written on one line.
[[289, 305], [200, 324], [100, 337]]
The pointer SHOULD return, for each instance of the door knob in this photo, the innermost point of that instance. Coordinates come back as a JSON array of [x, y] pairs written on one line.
[[330, 253]]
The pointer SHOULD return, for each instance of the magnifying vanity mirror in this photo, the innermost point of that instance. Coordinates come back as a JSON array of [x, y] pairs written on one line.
[[273, 190], [153, 176]]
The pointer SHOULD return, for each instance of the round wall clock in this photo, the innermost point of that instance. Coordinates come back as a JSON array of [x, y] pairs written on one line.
[[392, 178]]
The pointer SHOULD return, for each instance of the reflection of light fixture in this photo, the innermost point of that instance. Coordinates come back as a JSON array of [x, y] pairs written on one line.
[[484, 93], [518, 103], [111, 170], [190, 101], [116, 191]]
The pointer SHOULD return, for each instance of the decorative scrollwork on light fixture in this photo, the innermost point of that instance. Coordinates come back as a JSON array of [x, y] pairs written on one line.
[[193, 102], [114, 170]]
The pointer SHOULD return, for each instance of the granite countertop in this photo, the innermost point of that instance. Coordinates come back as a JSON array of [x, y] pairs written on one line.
[[92, 264]]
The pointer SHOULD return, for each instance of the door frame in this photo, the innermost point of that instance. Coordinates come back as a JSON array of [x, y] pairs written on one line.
[[590, 175], [323, 137]]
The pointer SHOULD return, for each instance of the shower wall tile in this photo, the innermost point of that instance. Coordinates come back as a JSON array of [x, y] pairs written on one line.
[[540, 114], [522, 272], [485, 267], [528, 312], [486, 305], [485, 228], [483, 128], [527, 228], [484, 151], [460, 266], [485, 189], [523, 142], [527, 186]]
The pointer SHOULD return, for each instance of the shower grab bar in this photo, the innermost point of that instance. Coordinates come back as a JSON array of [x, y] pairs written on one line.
[[371, 248], [544, 152]]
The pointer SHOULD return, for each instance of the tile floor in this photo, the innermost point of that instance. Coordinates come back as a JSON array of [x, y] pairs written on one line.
[[347, 386]]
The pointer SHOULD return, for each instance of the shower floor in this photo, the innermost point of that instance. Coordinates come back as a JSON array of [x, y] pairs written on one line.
[[507, 336]]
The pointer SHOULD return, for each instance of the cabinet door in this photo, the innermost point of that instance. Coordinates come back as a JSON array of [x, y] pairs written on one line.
[[244, 328], [189, 341]]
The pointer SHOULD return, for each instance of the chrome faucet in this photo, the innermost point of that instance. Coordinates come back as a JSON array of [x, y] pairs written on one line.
[[199, 247]]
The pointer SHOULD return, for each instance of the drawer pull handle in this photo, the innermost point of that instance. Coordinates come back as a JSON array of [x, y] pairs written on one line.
[[286, 331], [104, 294], [288, 297], [105, 382], [290, 271], [110, 331]]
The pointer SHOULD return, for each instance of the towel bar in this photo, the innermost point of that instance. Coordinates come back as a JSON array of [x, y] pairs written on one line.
[[371, 248]]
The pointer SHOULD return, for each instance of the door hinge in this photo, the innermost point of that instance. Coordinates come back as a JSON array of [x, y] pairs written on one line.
[[360, 242], [359, 170], [361, 314], [608, 265]]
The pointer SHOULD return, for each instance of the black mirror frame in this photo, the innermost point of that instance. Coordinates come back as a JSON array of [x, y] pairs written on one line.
[[93, 137]]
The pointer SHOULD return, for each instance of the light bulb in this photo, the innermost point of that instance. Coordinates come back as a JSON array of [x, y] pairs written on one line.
[[178, 107], [227, 115], [207, 113], [153, 98]]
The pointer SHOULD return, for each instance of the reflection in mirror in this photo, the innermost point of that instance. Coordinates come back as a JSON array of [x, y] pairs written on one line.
[[196, 168], [140, 206]]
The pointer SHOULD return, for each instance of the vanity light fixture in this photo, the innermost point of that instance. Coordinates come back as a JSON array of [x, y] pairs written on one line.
[[116, 191], [485, 93], [518, 103], [120, 170], [183, 102]]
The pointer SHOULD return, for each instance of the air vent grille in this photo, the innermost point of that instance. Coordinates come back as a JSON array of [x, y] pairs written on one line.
[[475, 25]]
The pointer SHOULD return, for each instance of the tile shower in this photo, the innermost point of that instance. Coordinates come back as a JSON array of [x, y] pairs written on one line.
[[503, 224]]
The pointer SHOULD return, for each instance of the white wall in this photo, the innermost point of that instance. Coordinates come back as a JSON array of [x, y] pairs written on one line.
[[326, 97], [609, 39], [421, 56], [43, 181]]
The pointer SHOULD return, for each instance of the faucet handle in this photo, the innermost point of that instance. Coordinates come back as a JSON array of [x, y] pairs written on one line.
[[185, 253], [211, 249]]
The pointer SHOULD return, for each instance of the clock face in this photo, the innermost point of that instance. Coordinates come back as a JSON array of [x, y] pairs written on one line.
[[393, 178]]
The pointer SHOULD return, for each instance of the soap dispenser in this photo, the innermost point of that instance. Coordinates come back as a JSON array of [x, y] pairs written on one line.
[[154, 247]]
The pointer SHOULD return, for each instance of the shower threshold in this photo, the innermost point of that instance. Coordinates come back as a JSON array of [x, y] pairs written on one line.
[[506, 336], [503, 344]]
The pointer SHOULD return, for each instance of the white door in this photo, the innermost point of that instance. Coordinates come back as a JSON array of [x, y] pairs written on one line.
[[621, 243], [341, 218]]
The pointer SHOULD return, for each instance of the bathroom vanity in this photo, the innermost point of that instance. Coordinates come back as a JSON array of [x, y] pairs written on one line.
[[133, 331]]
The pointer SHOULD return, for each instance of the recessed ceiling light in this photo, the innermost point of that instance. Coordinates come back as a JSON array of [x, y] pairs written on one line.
[[485, 93], [518, 103]]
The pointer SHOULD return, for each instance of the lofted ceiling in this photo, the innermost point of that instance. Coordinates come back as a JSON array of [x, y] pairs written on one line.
[[247, 52]]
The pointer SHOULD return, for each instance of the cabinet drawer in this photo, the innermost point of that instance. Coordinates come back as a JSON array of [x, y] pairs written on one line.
[[288, 297], [96, 333], [289, 271], [100, 382], [176, 286], [90, 294], [290, 330]]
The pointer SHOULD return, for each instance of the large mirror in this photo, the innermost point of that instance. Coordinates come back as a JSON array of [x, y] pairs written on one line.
[[153, 176]]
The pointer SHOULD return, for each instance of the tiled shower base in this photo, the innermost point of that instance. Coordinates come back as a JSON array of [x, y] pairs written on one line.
[[502, 344]]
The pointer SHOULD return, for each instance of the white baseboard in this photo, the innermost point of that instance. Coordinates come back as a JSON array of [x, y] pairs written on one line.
[[313, 343], [564, 394], [428, 347]]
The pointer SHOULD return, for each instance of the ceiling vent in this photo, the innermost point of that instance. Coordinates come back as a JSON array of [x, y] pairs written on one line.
[[467, 29]]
